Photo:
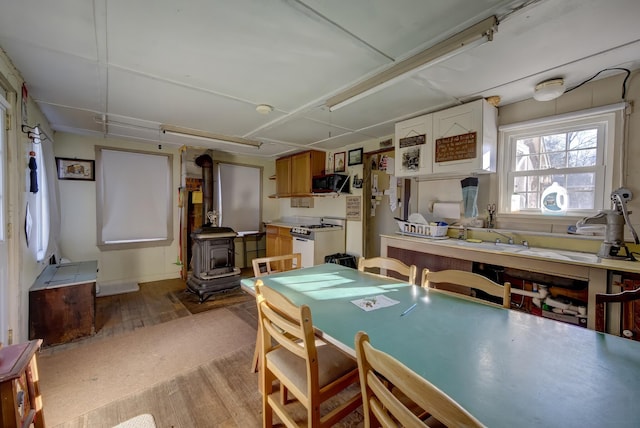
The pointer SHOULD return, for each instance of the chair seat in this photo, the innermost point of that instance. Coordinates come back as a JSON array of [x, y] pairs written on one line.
[[332, 364]]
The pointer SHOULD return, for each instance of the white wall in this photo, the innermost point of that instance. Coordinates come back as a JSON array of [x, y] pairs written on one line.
[[79, 229], [23, 267], [335, 206], [599, 93]]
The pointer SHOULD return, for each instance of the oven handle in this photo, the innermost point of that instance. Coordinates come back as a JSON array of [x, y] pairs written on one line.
[[303, 239]]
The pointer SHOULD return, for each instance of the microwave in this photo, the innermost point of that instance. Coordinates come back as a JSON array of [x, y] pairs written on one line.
[[330, 183]]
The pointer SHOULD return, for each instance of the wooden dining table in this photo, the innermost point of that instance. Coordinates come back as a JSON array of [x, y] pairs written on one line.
[[507, 368]]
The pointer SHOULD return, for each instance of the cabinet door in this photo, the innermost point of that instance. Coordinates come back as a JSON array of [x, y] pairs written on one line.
[[283, 176], [301, 173], [465, 138], [303, 167], [272, 241], [286, 241], [414, 141]]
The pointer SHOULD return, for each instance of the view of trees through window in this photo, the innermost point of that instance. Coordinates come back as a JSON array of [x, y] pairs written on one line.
[[567, 158]]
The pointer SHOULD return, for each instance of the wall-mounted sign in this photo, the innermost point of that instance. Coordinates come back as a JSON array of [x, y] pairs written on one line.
[[354, 210], [456, 147], [414, 140]]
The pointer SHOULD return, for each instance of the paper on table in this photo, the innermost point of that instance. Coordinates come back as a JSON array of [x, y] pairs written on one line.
[[374, 302]]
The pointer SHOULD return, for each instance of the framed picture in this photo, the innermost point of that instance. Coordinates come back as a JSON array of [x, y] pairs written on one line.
[[355, 157], [76, 169], [338, 162]]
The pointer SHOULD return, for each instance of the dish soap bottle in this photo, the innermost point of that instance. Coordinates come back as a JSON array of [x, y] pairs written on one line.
[[555, 200]]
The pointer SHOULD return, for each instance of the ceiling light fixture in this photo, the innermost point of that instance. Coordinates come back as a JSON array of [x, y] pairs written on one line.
[[549, 89], [465, 40], [264, 109], [207, 136]]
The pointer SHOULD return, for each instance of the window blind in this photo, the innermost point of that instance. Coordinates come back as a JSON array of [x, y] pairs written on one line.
[[134, 196]]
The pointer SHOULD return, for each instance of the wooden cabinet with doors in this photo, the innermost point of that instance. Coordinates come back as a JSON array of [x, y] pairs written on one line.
[[279, 240], [414, 146], [294, 173], [283, 176], [465, 139]]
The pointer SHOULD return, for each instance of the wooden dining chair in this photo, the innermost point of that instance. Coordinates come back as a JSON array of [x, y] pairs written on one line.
[[468, 279], [626, 299], [311, 371], [268, 265], [388, 264], [265, 266], [383, 380]]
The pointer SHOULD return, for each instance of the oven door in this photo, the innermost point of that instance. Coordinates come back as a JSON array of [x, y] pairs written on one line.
[[306, 248]]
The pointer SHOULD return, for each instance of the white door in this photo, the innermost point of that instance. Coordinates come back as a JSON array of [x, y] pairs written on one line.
[[4, 251]]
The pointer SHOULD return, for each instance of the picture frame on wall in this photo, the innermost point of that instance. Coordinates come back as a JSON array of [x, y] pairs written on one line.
[[355, 157], [76, 169], [339, 164]]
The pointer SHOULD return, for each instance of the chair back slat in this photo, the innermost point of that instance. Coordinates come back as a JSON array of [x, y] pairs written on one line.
[[268, 265], [380, 374], [389, 264], [626, 299], [468, 279]]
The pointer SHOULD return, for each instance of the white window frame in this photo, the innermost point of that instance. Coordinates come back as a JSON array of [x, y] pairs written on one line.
[[127, 207], [607, 119]]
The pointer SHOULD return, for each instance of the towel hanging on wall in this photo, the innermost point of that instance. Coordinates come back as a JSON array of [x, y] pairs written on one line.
[[470, 196]]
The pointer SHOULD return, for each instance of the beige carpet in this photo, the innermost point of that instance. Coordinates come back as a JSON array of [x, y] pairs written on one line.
[[75, 381]]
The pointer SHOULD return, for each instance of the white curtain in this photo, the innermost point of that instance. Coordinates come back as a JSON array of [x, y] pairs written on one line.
[[49, 161]]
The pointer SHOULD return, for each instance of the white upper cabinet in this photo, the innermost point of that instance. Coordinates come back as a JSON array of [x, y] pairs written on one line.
[[414, 146], [465, 139], [457, 141]]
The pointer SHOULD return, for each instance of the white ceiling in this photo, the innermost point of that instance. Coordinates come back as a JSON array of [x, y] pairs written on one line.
[[122, 68]]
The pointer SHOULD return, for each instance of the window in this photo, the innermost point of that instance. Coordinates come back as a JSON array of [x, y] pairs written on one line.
[[239, 196], [575, 151], [134, 204]]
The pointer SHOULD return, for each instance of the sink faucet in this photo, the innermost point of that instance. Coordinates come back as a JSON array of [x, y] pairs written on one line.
[[510, 239], [462, 233]]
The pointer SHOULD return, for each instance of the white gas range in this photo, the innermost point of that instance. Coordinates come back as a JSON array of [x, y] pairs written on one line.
[[316, 240]]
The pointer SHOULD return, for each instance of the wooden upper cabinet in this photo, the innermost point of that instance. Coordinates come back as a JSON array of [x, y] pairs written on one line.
[[283, 176], [299, 168]]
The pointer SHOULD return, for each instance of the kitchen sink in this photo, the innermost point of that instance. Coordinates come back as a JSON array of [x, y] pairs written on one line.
[[558, 255], [546, 253], [486, 245]]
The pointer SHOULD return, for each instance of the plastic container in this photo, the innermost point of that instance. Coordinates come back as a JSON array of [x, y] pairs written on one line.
[[555, 200]]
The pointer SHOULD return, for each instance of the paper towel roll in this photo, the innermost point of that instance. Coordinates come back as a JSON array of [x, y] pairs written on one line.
[[447, 210]]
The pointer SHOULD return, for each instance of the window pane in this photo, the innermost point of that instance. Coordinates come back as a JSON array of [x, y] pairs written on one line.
[[586, 157], [557, 160], [554, 143], [583, 139]]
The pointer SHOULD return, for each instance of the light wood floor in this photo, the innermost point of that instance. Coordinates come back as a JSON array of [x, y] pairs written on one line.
[[222, 393]]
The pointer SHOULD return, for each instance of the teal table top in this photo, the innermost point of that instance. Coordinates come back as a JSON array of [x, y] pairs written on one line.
[[509, 369]]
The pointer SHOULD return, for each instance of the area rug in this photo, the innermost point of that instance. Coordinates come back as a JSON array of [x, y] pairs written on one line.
[[193, 305], [77, 380]]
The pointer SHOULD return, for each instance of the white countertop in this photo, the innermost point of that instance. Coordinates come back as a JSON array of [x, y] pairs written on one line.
[[518, 251]]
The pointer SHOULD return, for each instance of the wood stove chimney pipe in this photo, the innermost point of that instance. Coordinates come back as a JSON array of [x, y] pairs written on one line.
[[206, 163]]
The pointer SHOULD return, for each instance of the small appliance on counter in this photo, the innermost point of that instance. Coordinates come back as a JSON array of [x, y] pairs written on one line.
[[338, 183]]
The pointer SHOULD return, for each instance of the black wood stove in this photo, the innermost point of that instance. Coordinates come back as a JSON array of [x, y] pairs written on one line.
[[213, 250], [213, 262]]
